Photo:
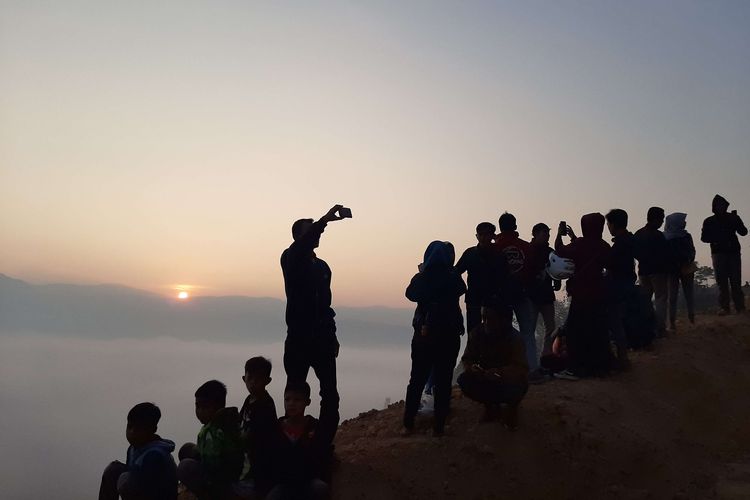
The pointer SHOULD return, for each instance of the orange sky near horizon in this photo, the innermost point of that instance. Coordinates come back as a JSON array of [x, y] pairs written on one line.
[[156, 146]]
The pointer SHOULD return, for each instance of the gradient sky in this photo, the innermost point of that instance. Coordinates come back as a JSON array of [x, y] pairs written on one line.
[[161, 143]]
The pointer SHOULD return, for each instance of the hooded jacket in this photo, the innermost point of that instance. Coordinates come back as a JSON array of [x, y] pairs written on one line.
[[722, 228], [220, 447], [154, 468], [436, 289], [590, 254]]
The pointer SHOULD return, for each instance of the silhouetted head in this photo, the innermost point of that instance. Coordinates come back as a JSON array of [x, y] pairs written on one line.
[[540, 233], [496, 314], [655, 217], [592, 225], [485, 233], [257, 375], [719, 205], [209, 399], [143, 419], [300, 227], [439, 255], [617, 221], [507, 222], [296, 398]]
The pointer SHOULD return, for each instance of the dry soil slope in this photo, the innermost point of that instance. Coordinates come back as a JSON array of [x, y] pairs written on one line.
[[676, 426]]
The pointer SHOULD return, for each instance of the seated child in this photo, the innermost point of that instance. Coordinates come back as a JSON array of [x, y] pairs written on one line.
[[495, 366], [149, 472], [257, 421], [300, 454], [212, 468]]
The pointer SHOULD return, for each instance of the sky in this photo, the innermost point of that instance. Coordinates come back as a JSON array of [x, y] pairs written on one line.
[[158, 144]]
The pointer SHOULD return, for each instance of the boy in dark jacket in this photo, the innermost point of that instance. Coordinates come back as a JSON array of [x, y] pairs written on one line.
[[298, 450], [487, 273], [149, 472], [721, 230], [652, 253], [495, 367], [212, 468], [257, 421]]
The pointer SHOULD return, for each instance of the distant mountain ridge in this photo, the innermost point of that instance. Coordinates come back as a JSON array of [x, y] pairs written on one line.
[[116, 311]]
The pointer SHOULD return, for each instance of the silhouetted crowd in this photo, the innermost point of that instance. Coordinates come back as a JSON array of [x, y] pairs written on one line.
[[250, 453]]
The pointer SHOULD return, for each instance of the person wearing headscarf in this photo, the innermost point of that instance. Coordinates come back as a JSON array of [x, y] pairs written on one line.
[[588, 339], [438, 325], [682, 265], [721, 230]]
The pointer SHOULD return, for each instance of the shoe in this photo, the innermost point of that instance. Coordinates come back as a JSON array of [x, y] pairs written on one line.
[[566, 375]]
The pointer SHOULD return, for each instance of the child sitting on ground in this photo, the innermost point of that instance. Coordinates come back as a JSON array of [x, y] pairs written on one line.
[[257, 422], [149, 472], [299, 451], [495, 366], [211, 468]]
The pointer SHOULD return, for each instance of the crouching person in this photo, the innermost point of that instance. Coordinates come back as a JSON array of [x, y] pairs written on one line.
[[149, 472], [211, 469], [495, 366], [300, 451]]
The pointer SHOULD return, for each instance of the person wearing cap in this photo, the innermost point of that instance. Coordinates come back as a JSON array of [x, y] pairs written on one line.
[[542, 287], [720, 231], [486, 273]]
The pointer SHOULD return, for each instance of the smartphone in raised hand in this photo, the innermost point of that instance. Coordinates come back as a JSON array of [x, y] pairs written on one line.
[[345, 213]]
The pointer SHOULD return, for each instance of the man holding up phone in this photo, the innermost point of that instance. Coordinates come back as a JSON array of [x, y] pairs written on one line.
[[311, 330], [721, 230]]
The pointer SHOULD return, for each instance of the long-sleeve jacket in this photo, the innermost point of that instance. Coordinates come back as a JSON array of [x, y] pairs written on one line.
[[296, 461], [652, 251], [487, 274], [682, 252], [220, 447], [721, 230], [437, 292], [590, 254], [154, 468], [307, 282]]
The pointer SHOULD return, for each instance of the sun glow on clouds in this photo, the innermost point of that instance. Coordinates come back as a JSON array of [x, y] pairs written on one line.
[[183, 295]]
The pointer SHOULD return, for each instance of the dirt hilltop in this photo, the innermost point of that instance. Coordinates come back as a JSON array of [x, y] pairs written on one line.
[[674, 427]]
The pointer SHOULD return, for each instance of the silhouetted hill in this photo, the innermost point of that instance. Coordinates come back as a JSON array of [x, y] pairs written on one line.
[[114, 311]]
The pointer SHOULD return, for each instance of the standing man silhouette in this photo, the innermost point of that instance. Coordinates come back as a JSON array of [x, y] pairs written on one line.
[[311, 330]]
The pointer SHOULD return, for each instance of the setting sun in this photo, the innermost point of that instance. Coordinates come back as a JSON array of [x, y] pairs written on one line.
[[183, 295]]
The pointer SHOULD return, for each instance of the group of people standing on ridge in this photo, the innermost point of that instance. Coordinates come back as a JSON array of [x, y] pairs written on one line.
[[252, 454]]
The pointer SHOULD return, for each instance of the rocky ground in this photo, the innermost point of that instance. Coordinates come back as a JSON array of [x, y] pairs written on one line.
[[675, 427]]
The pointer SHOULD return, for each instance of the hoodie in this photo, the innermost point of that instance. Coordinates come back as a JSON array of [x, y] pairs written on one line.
[[220, 447], [590, 254], [436, 289], [722, 228], [154, 468]]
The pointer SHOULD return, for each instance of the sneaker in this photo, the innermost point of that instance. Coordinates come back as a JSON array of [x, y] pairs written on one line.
[[566, 375]]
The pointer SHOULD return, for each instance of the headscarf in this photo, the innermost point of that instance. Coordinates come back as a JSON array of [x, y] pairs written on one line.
[[438, 255], [674, 226]]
